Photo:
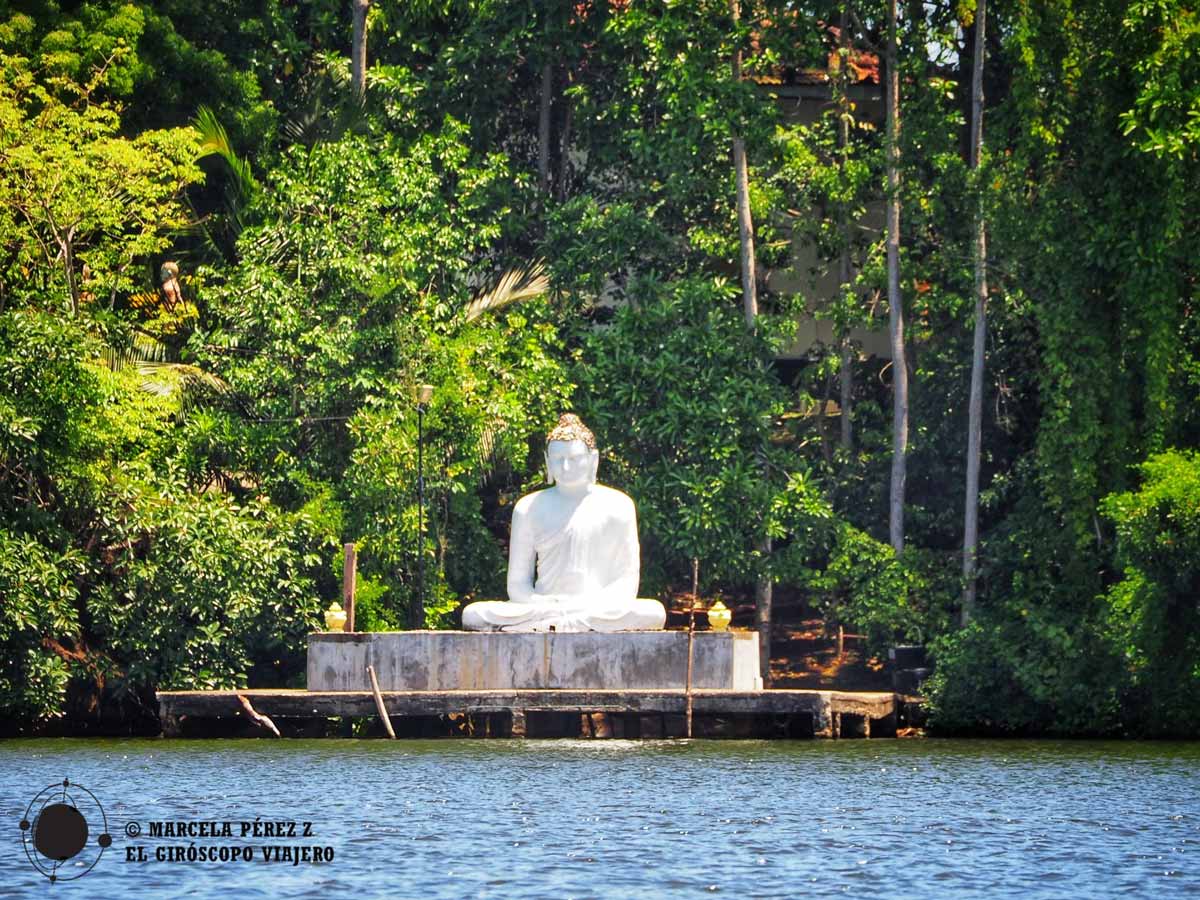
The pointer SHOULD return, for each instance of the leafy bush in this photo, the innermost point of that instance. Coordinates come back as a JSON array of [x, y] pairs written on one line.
[[976, 686], [112, 570], [40, 595], [851, 577], [47, 393], [354, 286], [684, 404], [679, 395], [1154, 610], [200, 589]]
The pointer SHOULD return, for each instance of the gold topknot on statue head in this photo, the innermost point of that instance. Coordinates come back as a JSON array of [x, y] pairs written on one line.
[[571, 428]]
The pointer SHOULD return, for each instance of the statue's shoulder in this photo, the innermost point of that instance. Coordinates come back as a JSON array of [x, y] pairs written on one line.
[[529, 502], [618, 502]]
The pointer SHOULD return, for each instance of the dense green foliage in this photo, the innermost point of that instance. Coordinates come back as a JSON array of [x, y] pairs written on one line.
[[1153, 609], [676, 387], [179, 467], [115, 570]]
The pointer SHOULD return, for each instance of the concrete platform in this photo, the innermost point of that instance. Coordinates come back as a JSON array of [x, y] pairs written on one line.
[[651, 713], [490, 661]]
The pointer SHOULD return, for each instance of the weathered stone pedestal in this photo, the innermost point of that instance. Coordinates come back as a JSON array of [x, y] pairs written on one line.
[[483, 684], [468, 660]]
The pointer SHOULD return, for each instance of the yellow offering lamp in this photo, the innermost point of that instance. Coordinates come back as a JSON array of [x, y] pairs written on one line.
[[719, 616], [335, 617]]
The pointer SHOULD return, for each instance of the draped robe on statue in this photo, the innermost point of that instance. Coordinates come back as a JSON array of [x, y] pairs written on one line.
[[586, 557]]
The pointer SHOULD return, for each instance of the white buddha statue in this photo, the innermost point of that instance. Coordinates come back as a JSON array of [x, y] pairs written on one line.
[[573, 558]]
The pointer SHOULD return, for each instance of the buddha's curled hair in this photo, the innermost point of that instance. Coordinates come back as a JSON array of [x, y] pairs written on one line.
[[571, 428]]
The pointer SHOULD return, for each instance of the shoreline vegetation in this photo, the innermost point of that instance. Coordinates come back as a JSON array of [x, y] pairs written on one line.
[[236, 239]]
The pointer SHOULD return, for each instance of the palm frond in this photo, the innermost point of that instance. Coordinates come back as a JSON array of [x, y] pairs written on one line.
[[169, 378], [308, 123], [214, 244], [141, 348], [487, 448], [515, 285], [215, 141], [161, 375], [327, 109]]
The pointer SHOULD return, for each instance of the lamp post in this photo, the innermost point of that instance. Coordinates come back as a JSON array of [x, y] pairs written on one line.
[[416, 618]]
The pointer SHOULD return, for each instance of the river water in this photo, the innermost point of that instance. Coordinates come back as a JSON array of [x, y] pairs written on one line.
[[558, 819]]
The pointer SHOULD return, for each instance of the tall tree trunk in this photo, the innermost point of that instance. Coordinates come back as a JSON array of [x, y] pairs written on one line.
[[72, 281], [846, 375], [564, 144], [764, 592], [975, 425], [66, 247], [847, 393], [358, 49], [823, 418], [895, 301], [746, 230], [742, 177], [544, 128], [764, 589]]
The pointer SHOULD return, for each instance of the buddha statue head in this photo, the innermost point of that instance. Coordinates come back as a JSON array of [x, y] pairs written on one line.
[[571, 455]]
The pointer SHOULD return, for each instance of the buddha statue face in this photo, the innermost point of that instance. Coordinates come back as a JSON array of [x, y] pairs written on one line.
[[571, 464], [571, 455]]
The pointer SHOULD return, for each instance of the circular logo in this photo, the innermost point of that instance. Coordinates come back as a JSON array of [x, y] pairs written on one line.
[[56, 827]]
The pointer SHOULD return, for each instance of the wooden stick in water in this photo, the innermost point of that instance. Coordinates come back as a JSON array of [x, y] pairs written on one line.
[[387, 722], [691, 638], [256, 717]]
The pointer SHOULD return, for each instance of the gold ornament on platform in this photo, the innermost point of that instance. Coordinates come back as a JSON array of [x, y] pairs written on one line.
[[335, 617], [719, 616]]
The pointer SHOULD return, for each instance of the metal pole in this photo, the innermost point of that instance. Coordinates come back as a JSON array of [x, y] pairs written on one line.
[[417, 617]]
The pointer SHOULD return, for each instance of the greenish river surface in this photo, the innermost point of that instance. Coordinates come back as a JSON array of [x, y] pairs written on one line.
[[557, 819]]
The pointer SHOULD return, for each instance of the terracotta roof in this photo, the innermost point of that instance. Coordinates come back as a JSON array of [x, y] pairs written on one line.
[[864, 66]]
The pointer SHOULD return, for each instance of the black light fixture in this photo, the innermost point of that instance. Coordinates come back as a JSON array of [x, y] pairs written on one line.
[[416, 618]]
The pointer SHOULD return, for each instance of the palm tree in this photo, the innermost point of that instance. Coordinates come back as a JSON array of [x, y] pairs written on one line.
[[162, 372]]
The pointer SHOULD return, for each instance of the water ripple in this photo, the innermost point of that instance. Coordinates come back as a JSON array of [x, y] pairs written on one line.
[[553, 819]]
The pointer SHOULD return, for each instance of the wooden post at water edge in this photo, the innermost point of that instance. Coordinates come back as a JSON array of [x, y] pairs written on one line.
[[691, 640], [349, 577]]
